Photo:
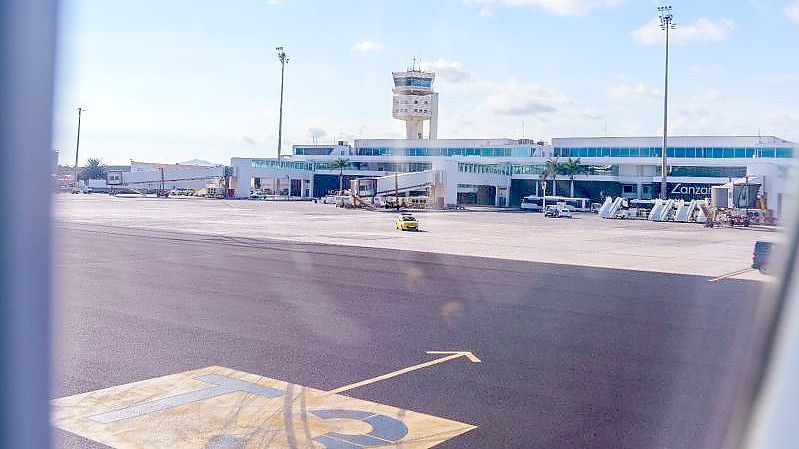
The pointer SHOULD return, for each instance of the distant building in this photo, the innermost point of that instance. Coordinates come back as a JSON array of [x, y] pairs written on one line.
[[136, 166]]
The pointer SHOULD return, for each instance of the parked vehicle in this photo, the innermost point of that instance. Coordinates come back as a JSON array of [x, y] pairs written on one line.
[[328, 199], [551, 212], [215, 192], [536, 203], [761, 255], [558, 212], [344, 201]]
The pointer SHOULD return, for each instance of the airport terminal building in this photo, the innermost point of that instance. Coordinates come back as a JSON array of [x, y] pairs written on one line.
[[500, 172]]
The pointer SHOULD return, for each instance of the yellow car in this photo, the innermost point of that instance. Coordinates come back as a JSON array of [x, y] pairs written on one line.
[[407, 222]]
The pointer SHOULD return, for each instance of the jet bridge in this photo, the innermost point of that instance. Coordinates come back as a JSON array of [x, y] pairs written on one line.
[[138, 179], [394, 185], [398, 183]]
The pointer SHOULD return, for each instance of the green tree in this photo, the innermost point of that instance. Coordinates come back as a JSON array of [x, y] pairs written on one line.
[[341, 163], [551, 169], [572, 168], [94, 169]]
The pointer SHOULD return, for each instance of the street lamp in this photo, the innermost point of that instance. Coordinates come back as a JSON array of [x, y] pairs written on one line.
[[77, 150], [666, 24], [281, 56]]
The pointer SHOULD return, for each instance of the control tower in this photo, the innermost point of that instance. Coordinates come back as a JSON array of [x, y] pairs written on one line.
[[415, 102]]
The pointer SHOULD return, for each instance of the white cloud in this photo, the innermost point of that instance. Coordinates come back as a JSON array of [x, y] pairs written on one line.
[[315, 134], [784, 119], [701, 31], [486, 12], [368, 47], [590, 114], [792, 11], [446, 70], [707, 70], [527, 99], [691, 120], [626, 92], [275, 2], [559, 7]]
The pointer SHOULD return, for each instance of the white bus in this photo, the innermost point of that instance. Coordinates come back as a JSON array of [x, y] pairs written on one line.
[[536, 203]]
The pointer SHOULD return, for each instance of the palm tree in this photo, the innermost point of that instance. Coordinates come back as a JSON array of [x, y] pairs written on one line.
[[94, 169], [341, 163], [551, 170], [572, 168]]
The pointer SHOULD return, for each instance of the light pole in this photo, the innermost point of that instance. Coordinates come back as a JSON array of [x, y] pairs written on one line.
[[666, 24], [77, 150], [281, 55]]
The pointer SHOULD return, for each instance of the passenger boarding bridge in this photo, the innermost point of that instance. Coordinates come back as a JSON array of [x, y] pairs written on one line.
[[165, 177]]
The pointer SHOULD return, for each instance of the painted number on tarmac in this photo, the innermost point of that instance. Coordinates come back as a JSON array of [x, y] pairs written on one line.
[[219, 408]]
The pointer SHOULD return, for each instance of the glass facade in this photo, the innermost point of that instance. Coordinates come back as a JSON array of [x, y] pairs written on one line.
[[485, 169], [687, 152], [405, 167], [413, 81], [421, 151], [313, 151], [268, 163], [654, 152], [707, 172], [527, 169]]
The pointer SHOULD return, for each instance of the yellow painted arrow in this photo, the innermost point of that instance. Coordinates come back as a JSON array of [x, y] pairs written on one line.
[[451, 355]]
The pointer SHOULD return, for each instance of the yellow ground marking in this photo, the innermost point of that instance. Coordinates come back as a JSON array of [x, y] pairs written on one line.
[[220, 408], [731, 274], [452, 355]]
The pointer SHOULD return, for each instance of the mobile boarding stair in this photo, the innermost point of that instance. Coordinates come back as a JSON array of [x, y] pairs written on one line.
[[610, 207], [687, 212], [663, 210]]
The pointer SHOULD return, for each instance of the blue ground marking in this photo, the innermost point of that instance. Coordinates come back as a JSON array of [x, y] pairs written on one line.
[[221, 385], [385, 430]]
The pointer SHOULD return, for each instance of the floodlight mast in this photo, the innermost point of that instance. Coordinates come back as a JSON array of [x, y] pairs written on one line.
[[75, 185], [666, 24], [281, 56]]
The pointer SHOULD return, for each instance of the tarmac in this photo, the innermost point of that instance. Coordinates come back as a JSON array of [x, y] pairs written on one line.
[[304, 297]]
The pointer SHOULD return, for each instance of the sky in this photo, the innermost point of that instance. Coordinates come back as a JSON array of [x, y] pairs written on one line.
[[170, 81]]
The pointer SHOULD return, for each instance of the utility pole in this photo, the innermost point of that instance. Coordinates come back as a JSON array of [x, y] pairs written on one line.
[[77, 150], [666, 24], [281, 56]]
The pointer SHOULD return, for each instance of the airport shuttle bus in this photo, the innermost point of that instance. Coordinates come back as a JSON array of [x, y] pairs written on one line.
[[536, 203]]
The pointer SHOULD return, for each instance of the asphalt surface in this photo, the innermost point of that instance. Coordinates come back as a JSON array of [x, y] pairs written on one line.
[[573, 357]]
